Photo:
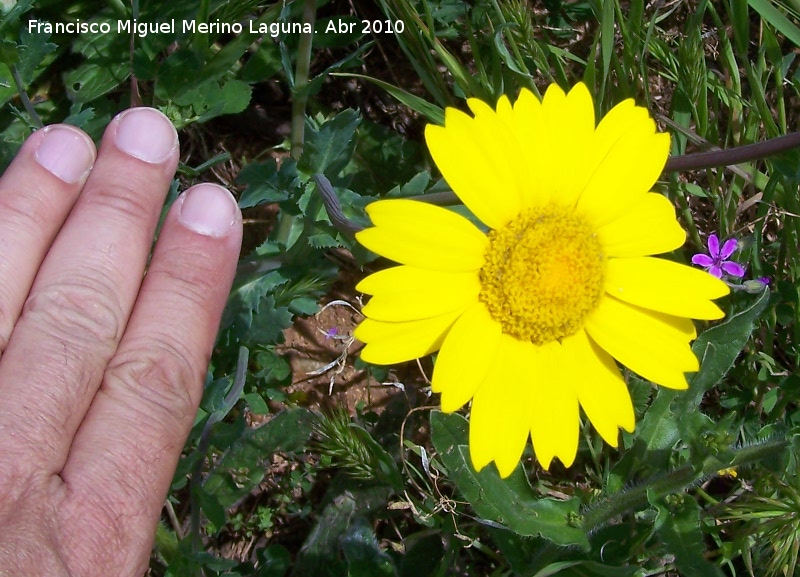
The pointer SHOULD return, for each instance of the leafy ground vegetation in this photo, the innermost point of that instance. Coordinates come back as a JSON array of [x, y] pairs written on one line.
[[306, 461]]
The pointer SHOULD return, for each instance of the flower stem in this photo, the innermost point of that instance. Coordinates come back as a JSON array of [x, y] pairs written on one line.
[[35, 120], [299, 101], [300, 96], [674, 481]]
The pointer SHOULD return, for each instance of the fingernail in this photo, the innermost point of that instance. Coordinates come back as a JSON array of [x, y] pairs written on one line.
[[146, 134], [66, 153], [208, 209]]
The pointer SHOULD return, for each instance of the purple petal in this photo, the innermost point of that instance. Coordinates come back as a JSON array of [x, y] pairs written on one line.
[[715, 271], [713, 246], [728, 248], [733, 268], [764, 280], [702, 260]]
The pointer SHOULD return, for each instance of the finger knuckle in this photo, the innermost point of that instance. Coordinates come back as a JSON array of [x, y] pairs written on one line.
[[125, 200], [161, 377], [81, 310]]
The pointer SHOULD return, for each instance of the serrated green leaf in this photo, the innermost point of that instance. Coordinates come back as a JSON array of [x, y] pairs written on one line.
[[328, 149], [323, 240], [242, 467], [9, 52], [679, 529], [31, 52], [303, 306], [245, 299], [719, 346], [659, 427], [267, 183], [17, 9], [416, 186], [271, 367], [268, 323], [509, 502]]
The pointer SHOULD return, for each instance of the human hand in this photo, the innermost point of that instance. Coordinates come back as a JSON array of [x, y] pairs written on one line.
[[102, 368]]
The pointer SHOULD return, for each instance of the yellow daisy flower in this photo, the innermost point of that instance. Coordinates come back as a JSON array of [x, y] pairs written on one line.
[[529, 316]]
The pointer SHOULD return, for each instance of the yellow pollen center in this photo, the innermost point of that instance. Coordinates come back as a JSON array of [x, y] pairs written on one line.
[[543, 274]]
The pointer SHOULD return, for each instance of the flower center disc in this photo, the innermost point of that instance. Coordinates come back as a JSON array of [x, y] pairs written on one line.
[[543, 274]]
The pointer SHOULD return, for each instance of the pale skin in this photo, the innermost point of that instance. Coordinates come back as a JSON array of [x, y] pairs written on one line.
[[101, 367]]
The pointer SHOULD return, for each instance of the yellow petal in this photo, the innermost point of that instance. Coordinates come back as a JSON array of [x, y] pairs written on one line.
[[576, 128], [652, 344], [556, 137], [429, 301], [403, 279], [647, 227], [628, 155], [479, 159], [423, 235], [505, 111], [498, 428], [390, 343], [532, 133], [600, 388], [665, 286], [554, 419], [465, 357]]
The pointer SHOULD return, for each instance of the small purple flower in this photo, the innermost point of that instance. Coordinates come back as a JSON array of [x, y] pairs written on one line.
[[717, 263]]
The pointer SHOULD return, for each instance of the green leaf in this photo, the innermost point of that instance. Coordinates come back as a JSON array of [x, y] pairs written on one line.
[[269, 321], [323, 240], [211, 99], [320, 555], [266, 183], [679, 527], [659, 427], [719, 346], [778, 21], [364, 557], [32, 51], [509, 502], [178, 75], [242, 467], [328, 149], [586, 569], [433, 113], [17, 10], [274, 561], [256, 403], [245, 300], [106, 66]]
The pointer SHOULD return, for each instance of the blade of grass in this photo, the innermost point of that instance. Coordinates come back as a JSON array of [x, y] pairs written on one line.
[[430, 111], [776, 19]]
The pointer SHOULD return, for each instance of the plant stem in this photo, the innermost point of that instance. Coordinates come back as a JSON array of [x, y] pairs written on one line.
[[674, 481], [300, 96], [37, 122], [203, 445], [299, 101]]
